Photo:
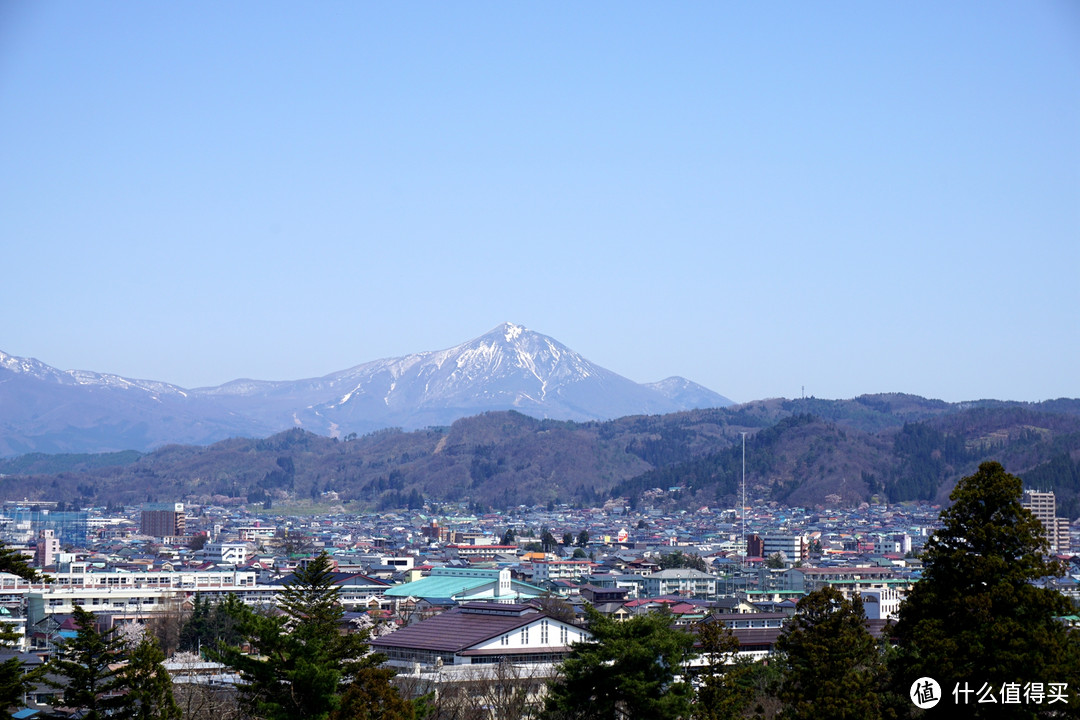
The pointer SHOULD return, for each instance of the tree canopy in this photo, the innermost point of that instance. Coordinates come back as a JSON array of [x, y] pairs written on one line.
[[88, 664], [629, 669], [979, 614], [149, 690], [831, 664], [301, 658], [724, 687], [14, 682]]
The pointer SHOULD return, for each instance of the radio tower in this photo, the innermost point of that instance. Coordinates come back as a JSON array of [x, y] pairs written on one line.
[[742, 509]]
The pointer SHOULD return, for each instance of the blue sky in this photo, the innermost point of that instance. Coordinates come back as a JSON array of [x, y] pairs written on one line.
[[847, 197]]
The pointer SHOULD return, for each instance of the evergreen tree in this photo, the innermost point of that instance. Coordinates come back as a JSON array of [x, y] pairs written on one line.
[[831, 665], [211, 625], [370, 696], [14, 562], [548, 541], [14, 682], [978, 616], [301, 660], [149, 687], [632, 669], [88, 665], [583, 538], [724, 688]]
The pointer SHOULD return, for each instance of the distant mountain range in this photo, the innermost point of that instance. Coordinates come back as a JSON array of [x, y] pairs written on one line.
[[510, 368], [807, 452]]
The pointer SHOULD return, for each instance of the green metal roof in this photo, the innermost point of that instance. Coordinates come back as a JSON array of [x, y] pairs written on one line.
[[444, 586]]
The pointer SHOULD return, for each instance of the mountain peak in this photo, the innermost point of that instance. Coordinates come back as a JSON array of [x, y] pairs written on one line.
[[511, 331], [507, 332], [508, 368]]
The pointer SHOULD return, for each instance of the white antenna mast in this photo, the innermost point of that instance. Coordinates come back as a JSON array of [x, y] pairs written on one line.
[[742, 510]]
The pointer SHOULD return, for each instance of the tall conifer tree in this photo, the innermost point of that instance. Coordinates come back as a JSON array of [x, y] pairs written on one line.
[[301, 659], [831, 664], [979, 615], [89, 665]]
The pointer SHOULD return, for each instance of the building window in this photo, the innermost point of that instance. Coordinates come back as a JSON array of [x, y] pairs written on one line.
[[524, 636], [543, 632]]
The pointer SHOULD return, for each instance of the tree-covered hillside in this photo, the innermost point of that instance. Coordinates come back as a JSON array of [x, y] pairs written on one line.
[[798, 452]]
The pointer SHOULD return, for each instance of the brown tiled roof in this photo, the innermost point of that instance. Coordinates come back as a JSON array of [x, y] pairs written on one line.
[[455, 630], [757, 636]]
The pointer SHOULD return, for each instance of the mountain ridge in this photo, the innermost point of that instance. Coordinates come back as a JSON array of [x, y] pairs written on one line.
[[882, 448], [508, 368]]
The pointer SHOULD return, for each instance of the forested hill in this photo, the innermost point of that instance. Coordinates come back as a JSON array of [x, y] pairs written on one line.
[[798, 452]]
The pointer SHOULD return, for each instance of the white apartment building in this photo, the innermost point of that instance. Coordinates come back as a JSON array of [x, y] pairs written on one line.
[[572, 570], [892, 544], [228, 553], [793, 547], [683, 581], [882, 603]]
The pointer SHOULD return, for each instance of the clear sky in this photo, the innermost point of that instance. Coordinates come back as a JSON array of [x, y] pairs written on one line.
[[849, 197]]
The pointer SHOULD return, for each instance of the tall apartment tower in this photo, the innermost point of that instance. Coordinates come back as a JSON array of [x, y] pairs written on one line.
[[1043, 505], [163, 520]]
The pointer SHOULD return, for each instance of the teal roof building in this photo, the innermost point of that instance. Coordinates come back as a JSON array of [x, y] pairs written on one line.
[[467, 585]]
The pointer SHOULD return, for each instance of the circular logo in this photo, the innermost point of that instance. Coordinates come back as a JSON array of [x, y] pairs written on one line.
[[925, 693]]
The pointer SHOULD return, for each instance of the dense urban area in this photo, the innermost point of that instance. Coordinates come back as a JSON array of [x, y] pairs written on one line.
[[489, 615]]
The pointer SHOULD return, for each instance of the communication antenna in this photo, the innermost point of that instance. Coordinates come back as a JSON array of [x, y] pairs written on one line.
[[742, 510]]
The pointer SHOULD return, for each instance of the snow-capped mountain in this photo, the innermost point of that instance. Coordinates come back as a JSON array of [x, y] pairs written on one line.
[[688, 394], [43, 409], [509, 368]]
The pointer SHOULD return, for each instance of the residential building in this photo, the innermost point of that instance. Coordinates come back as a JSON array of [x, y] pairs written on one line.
[[882, 603], [850, 581], [681, 581], [46, 549], [550, 570], [227, 553], [163, 520], [1043, 505], [791, 547]]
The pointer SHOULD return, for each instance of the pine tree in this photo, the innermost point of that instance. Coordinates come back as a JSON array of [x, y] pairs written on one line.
[[149, 687], [977, 616], [14, 562], [14, 682], [724, 688], [211, 625], [831, 665], [370, 696], [301, 660], [89, 666], [632, 669]]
